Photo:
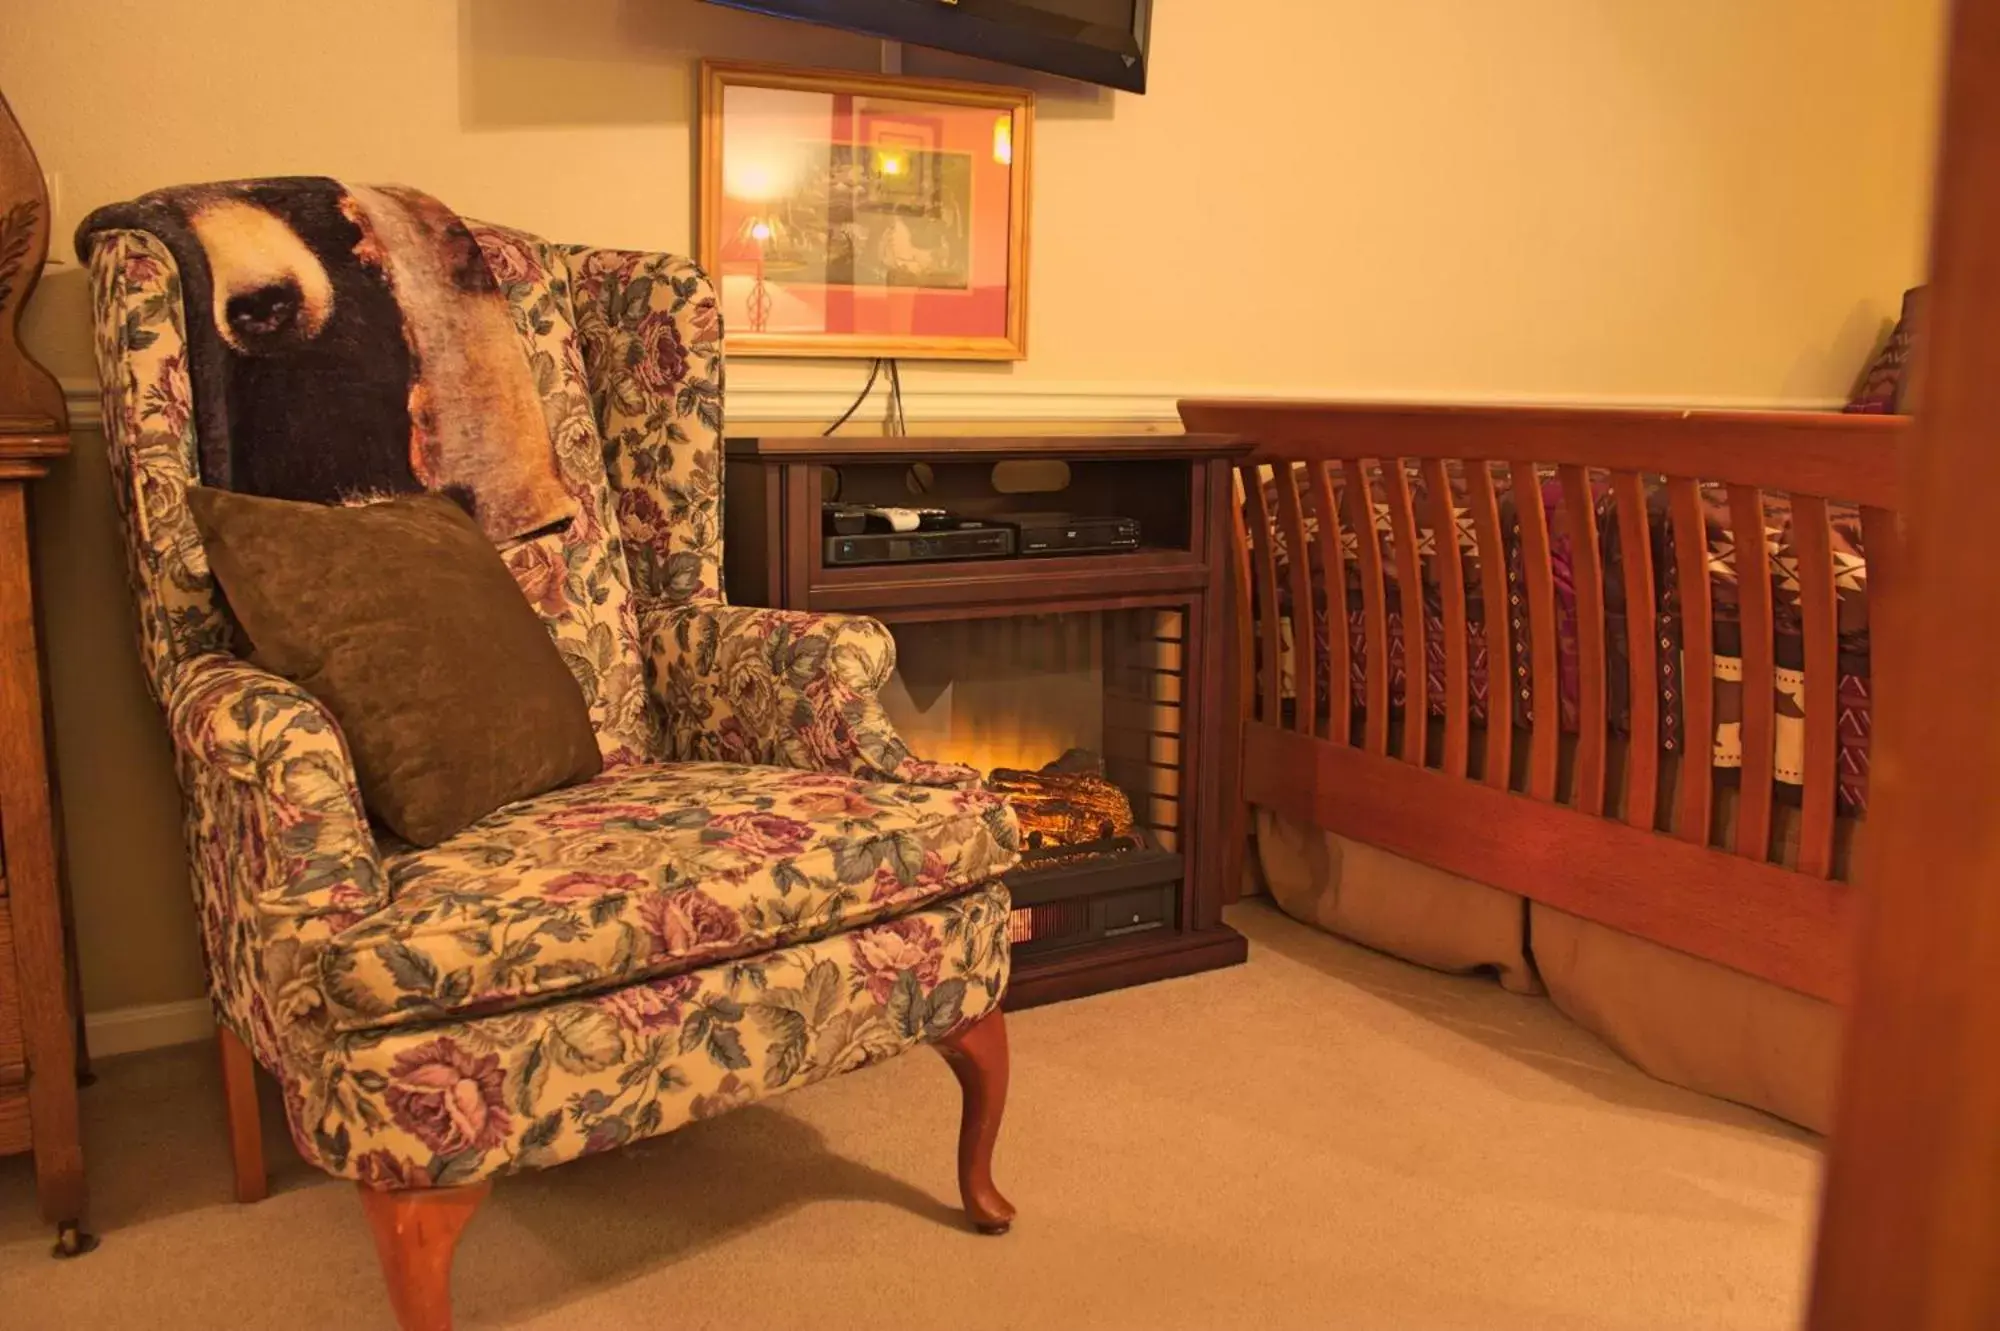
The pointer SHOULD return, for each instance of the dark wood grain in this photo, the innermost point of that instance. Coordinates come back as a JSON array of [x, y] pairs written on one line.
[[802, 563], [40, 1012], [1299, 566], [1264, 575], [1757, 918], [834, 449], [1410, 600], [1587, 576], [1025, 582], [1538, 573], [33, 901], [1374, 607], [1158, 956], [1760, 717], [1332, 558], [1497, 767], [1207, 578], [1234, 814], [1812, 543], [1839, 456], [31, 398], [1694, 796], [1911, 1217], [16, 1125], [753, 515], [977, 1054], [1450, 572], [1635, 556], [13, 1048], [1214, 828]]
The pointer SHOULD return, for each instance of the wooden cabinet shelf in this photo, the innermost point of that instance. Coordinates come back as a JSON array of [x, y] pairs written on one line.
[[1021, 661]]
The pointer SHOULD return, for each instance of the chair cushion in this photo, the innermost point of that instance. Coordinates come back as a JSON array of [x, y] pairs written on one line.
[[651, 871], [457, 1101]]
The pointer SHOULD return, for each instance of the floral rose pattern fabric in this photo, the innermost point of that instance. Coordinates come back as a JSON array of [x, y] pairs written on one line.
[[790, 687], [646, 871], [576, 577], [149, 425], [652, 337], [685, 934], [457, 1101]]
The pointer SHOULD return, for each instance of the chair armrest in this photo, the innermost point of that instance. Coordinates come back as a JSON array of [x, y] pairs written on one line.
[[784, 687], [271, 786]]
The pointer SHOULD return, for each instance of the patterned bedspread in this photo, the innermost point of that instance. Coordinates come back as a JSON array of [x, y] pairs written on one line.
[[1852, 622]]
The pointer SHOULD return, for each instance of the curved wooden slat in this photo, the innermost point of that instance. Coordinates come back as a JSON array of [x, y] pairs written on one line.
[[1270, 700], [1374, 606], [1410, 596], [1753, 605], [1498, 759], [1819, 608], [1538, 575], [1694, 797], [1587, 578], [1635, 558], [1244, 676], [1305, 627], [1450, 570], [1333, 576]]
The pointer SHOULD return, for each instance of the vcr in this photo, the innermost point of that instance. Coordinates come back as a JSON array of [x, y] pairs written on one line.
[[1072, 533], [903, 547]]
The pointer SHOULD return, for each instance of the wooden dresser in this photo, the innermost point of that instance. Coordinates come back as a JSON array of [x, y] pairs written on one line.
[[38, 1101]]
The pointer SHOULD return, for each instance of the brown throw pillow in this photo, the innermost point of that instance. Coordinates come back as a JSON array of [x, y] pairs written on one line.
[[402, 619]]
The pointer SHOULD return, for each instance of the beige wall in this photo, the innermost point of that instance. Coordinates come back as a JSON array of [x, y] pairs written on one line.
[[1717, 200]]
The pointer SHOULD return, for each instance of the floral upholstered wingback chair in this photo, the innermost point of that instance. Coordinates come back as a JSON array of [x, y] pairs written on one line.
[[763, 888]]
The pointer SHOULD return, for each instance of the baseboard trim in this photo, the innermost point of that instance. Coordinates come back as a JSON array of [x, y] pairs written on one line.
[[1083, 403], [127, 1030]]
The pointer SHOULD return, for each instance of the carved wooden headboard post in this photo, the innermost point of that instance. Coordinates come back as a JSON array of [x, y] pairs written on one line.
[[31, 401], [38, 1109]]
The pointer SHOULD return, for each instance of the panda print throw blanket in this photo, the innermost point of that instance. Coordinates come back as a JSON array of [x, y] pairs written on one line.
[[347, 342]]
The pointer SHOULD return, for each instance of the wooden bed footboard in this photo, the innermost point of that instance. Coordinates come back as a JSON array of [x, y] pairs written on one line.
[[1539, 802]]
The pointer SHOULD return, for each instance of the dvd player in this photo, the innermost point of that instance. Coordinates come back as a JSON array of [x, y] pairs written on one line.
[[895, 547], [1072, 533]]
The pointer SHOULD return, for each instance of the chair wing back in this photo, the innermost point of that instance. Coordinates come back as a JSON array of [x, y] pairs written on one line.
[[652, 350], [651, 340], [149, 426]]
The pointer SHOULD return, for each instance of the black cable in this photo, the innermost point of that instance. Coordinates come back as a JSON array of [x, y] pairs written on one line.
[[899, 424], [866, 389]]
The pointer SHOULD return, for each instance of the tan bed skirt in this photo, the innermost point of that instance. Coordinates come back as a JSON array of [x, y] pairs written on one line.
[[1684, 1020]]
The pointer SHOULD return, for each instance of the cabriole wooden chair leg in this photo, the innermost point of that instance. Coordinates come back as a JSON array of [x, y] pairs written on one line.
[[978, 1057], [416, 1233], [246, 1133]]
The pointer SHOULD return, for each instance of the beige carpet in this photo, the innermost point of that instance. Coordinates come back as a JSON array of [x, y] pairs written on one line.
[[1322, 1138]]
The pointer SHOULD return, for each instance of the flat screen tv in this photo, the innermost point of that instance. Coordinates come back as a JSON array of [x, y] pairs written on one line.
[[1097, 41]]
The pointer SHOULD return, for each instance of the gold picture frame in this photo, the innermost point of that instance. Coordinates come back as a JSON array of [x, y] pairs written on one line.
[[882, 230]]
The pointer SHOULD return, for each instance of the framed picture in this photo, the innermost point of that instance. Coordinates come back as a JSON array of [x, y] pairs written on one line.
[[864, 215]]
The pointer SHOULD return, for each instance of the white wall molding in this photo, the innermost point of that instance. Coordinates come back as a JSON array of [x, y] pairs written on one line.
[[127, 1030], [812, 401]]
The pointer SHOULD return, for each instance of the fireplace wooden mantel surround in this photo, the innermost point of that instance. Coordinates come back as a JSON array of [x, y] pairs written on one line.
[[1128, 653]]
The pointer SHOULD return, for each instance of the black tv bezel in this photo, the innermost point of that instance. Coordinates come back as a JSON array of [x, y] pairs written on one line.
[[999, 30]]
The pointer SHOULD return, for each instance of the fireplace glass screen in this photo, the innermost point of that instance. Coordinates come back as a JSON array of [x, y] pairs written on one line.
[[1076, 717]]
